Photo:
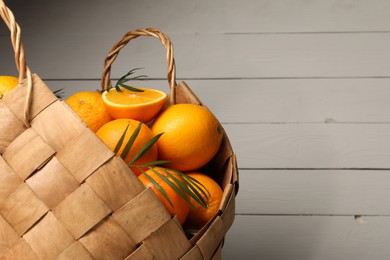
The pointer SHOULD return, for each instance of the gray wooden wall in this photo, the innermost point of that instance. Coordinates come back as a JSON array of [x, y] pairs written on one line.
[[302, 88]]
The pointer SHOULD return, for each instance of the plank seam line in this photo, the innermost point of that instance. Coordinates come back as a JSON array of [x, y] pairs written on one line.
[[311, 215], [231, 78], [307, 32], [306, 123], [311, 169]]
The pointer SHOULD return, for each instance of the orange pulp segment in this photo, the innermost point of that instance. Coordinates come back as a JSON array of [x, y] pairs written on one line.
[[141, 106]]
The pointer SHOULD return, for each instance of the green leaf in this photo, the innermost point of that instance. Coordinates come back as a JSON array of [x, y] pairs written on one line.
[[172, 185], [125, 78], [195, 187], [155, 163], [183, 186], [158, 186], [145, 148], [59, 93], [120, 142], [131, 141], [131, 88], [140, 77], [117, 88]]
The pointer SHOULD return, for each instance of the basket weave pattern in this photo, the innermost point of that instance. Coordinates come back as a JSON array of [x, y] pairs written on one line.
[[63, 193]]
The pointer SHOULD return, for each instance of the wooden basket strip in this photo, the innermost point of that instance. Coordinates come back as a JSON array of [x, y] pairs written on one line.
[[20, 250], [81, 211], [108, 241], [9, 181], [193, 254], [184, 95], [142, 216], [228, 193], [114, 178], [8, 236], [27, 153], [228, 207], [75, 251], [10, 127], [22, 209], [218, 253], [53, 183], [225, 161], [41, 97], [213, 236], [168, 242], [84, 154], [227, 172], [57, 125], [57, 237], [141, 253]]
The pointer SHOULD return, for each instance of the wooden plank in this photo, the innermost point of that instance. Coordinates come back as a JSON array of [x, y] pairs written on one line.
[[279, 100], [211, 56], [197, 16], [311, 145], [318, 192], [307, 237]]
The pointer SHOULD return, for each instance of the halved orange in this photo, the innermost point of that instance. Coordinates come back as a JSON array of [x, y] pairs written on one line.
[[141, 106]]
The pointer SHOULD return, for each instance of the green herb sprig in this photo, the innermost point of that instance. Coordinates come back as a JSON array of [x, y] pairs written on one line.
[[126, 78], [59, 93], [184, 186]]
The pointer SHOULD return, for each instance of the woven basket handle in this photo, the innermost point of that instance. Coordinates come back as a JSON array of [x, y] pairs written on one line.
[[113, 53], [17, 44], [20, 59]]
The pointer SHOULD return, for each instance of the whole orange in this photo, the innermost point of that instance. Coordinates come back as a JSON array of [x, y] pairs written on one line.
[[180, 206], [111, 132], [7, 83], [199, 215], [192, 136], [89, 106]]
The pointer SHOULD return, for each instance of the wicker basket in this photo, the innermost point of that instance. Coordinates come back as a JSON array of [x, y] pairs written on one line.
[[63, 193]]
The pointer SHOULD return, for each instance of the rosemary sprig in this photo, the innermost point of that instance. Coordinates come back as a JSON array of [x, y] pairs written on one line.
[[125, 78], [185, 185], [59, 93], [145, 148]]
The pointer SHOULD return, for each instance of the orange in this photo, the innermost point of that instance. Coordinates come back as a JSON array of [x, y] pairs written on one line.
[[89, 106], [192, 136], [111, 132], [199, 215], [180, 206], [141, 106], [7, 83]]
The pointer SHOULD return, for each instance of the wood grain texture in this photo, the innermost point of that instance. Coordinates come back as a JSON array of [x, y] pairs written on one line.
[[301, 87], [314, 192], [307, 237], [197, 16], [322, 146], [212, 55]]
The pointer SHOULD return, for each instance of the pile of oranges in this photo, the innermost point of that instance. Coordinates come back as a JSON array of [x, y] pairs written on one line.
[[187, 137]]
